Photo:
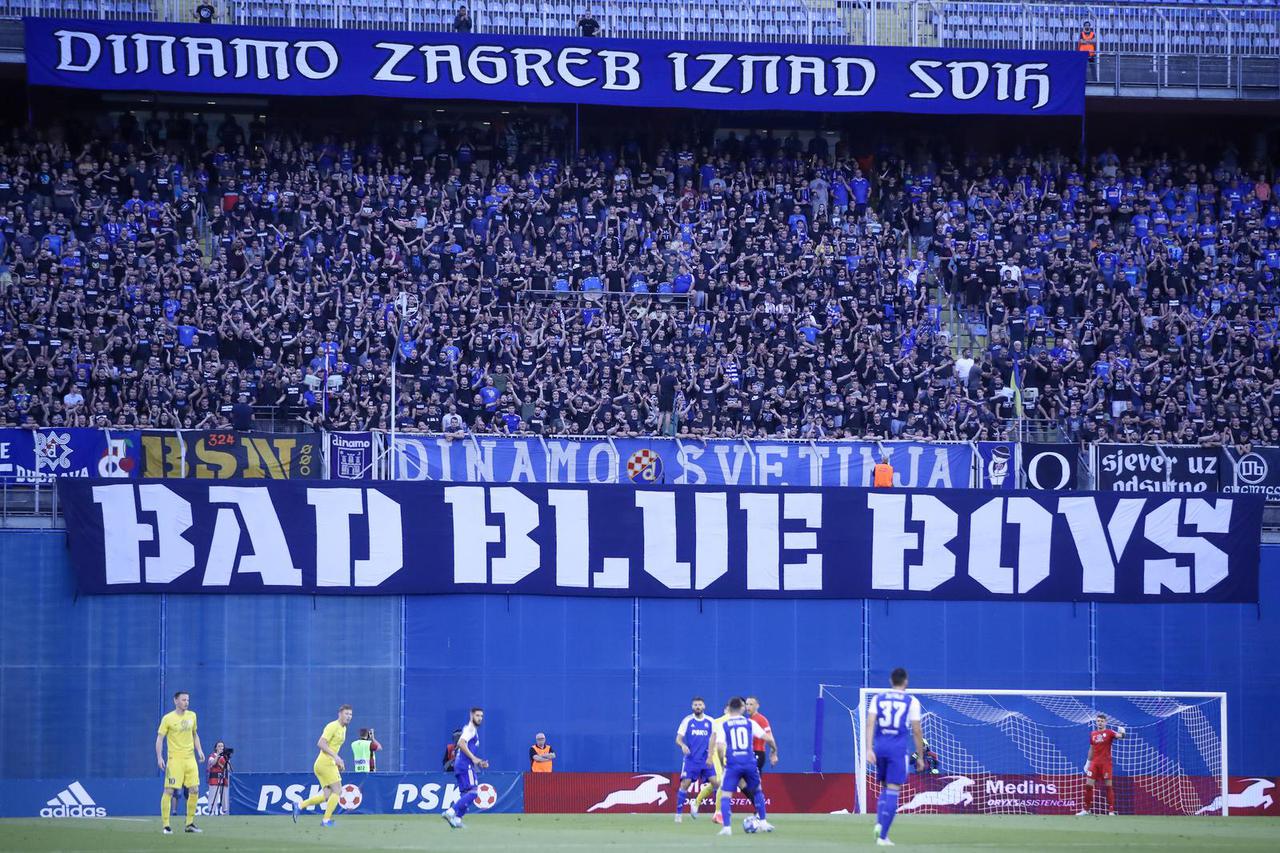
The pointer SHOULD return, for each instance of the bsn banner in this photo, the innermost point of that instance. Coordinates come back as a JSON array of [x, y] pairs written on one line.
[[1157, 468], [494, 459], [224, 454], [727, 542], [164, 57]]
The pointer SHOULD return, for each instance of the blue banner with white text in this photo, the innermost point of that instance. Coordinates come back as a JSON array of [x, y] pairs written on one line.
[[244, 536], [647, 461], [40, 456], [239, 60], [351, 456]]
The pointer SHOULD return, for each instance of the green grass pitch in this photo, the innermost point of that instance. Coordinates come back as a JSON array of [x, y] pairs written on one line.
[[625, 833]]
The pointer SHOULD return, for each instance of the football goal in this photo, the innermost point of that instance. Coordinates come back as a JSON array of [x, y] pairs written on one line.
[[1025, 751]]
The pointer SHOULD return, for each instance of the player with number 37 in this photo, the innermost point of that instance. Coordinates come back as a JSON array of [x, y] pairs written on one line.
[[893, 718]]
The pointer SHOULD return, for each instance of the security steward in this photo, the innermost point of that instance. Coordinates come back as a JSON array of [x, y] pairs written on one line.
[[1088, 40], [882, 474], [541, 756]]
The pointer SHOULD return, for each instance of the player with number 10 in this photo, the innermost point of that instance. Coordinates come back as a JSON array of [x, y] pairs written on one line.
[[733, 742]]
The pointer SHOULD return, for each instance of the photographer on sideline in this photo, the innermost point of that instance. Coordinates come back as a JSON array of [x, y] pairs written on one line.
[[219, 765], [451, 751], [365, 750]]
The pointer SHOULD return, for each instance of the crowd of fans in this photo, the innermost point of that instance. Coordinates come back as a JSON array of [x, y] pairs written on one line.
[[167, 272]]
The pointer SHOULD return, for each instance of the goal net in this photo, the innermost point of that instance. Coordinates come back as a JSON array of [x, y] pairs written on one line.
[[1024, 752]]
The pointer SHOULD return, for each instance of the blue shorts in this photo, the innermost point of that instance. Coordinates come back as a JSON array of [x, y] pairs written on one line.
[[734, 772], [891, 769], [696, 771], [466, 779]]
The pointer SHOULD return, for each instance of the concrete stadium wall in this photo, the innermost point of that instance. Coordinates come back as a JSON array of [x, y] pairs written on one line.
[[83, 681]]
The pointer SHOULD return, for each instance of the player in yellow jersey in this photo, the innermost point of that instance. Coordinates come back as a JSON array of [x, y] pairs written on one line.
[[328, 768], [717, 764], [178, 727]]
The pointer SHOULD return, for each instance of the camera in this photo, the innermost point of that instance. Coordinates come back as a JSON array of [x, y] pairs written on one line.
[[227, 752]]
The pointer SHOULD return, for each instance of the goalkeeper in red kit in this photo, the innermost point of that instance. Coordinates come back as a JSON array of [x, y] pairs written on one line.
[[1098, 765]]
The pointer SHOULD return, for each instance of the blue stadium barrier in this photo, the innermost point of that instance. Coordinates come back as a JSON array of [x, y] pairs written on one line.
[[86, 680], [252, 793]]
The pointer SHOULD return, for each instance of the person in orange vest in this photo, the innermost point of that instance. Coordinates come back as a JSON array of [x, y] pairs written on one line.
[[540, 755], [1088, 40], [882, 474]]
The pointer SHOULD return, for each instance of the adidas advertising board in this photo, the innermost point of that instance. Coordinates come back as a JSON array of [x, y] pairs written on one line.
[[74, 797], [72, 801]]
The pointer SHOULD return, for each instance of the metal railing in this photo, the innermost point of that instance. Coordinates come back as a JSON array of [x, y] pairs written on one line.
[[1222, 28], [590, 298], [29, 505], [1227, 49], [1242, 77]]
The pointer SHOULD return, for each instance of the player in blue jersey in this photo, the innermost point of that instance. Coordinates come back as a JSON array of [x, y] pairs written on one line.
[[465, 765], [694, 739], [733, 742], [893, 719]]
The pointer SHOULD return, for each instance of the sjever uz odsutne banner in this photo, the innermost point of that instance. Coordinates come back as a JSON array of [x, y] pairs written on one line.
[[673, 542], [164, 57]]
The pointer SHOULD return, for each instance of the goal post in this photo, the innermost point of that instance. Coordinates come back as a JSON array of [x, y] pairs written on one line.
[[1024, 751]]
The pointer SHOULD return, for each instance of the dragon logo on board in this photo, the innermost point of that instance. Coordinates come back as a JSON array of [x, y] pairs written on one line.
[[955, 793], [644, 466], [648, 792]]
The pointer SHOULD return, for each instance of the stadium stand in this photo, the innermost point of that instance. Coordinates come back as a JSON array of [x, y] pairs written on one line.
[[159, 271], [1207, 27]]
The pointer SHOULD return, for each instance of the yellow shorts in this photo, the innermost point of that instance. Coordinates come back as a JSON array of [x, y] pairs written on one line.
[[327, 772], [718, 767], [182, 773]]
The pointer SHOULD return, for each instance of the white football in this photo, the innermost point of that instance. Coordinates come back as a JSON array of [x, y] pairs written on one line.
[[486, 796], [749, 823], [349, 797]]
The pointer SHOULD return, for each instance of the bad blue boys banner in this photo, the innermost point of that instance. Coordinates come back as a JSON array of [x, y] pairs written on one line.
[[133, 55], [496, 459], [665, 541]]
